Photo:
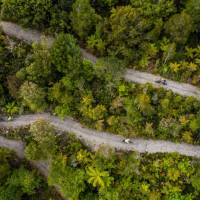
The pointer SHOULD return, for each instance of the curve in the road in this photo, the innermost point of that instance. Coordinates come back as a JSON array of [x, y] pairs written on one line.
[[96, 138], [18, 147], [14, 145], [130, 75]]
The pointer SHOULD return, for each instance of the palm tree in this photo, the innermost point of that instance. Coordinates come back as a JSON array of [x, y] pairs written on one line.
[[143, 102], [11, 109], [98, 178]]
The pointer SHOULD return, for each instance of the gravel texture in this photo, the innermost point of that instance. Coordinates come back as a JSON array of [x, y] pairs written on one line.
[[95, 138]]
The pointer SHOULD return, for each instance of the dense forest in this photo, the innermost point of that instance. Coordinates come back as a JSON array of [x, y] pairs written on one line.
[[158, 36], [161, 36], [107, 174], [18, 181]]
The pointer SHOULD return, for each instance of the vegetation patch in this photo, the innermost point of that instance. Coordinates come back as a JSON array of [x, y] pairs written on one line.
[[60, 80], [18, 181], [157, 36], [110, 175]]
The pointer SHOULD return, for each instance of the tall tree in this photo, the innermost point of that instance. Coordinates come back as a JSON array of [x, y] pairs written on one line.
[[66, 55], [98, 178], [127, 31], [40, 69], [33, 96], [83, 18], [193, 9], [44, 143], [179, 27]]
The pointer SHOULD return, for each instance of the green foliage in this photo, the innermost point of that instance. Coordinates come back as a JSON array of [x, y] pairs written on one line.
[[95, 42], [144, 33], [39, 70], [143, 110], [186, 69], [32, 12], [12, 58], [11, 109], [154, 35], [195, 180], [5, 155], [128, 29], [193, 9], [61, 93], [43, 144], [67, 59], [83, 18], [34, 152], [179, 27], [96, 113], [25, 180], [59, 20], [104, 6], [69, 179], [96, 95], [17, 182], [3, 52], [168, 49], [33, 96], [109, 69], [66, 55], [105, 175], [162, 8], [42, 131], [98, 178]]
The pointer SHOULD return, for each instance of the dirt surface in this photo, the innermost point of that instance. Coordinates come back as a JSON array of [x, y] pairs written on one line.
[[15, 145], [130, 75], [96, 138], [179, 88], [27, 35]]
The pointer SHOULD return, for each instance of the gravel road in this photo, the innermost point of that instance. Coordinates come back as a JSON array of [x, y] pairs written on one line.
[[130, 75], [89, 136], [96, 138], [92, 136], [15, 145]]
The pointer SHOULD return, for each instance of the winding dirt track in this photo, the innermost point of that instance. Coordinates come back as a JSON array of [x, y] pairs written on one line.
[[95, 138], [15, 145], [130, 75], [91, 136]]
